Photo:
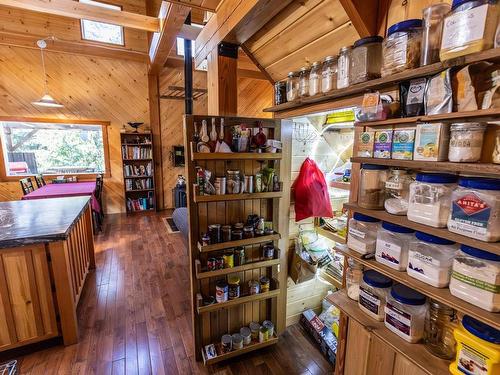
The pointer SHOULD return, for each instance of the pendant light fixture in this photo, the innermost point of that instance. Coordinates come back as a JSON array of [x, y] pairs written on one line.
[[46, 100]]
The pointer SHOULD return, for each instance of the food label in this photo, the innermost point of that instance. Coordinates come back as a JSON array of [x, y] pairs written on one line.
[[368, 300], [383, 143], [476, 283], [402, 144], [394, 185], [365, 144], [471, 361], [358, 245], [356, 233], [464, 27], [400, 49], [388, 251], [426, 265], [398, 319], [416, 91], [470, 214]]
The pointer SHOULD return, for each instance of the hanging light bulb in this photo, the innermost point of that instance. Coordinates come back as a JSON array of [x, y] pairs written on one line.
[[46, 100]]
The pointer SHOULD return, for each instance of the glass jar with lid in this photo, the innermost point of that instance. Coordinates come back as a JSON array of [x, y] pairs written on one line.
[[362, 234], [439, 324], [304, 82], [279, 92], [397, 191], [401, 48], [466, 142], [373, 292], [353, 276], [292, 87], [372, 186], [329, 74], [432, 31], [315, 79], [343, 65], [469, 27], [366, 59]]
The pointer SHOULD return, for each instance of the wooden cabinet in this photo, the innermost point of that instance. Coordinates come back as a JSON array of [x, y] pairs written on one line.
[[27, 311]]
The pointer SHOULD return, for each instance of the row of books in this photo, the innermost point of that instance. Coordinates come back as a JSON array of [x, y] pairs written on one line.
[[139, 184], [137, 170], [140, 204], [136, 152]]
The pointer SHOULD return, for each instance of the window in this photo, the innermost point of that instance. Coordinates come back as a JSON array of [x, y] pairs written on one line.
[[180, 50], [56, 148], [101, 31]]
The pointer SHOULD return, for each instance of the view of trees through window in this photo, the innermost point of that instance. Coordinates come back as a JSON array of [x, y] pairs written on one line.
[[32, 148]]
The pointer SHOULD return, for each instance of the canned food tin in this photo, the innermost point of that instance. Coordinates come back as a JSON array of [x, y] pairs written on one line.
[[264, 284], [246, 333], [263, 334], [226, 233], [227, 343], [258, 182], [239, 255], [253, 287], [268, 251], [221, 291], [214, 232], [220, 263], [228, 259], [270, 327], [220, 185], [254, 329], [249, 184], [234, 287], [211, 264]]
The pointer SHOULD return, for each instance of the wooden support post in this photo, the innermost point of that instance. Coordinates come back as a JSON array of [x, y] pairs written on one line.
[[222, 80], [154, 119]]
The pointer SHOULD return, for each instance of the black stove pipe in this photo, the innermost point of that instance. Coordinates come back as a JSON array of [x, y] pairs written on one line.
[[188, 72]]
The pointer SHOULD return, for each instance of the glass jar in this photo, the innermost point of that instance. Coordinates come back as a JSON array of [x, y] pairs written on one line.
[[466, 142], [393, 242], [233, 182], [362, 235], [440, 322], [315, 79], [373, 292], [239, 256], [248, 231], [329, 74], [405, 313], [475, 209], [292, 87], [430, 198], [353, 276], [265, 284], [234, 287], [371, 186], [430, 259], [401, 48], [343, 65], [397, 192], [279, 92], [366, 59], [226, 233], [303, 82], [433, 17], [469, 27]]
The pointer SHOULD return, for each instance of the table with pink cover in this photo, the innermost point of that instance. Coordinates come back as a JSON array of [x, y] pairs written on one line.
[[70, 189]]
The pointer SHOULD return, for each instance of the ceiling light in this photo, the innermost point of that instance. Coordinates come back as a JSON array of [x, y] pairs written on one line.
[[46, 100]]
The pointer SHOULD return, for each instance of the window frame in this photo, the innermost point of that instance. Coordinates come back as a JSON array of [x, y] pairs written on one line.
[[4, 177], [98, 41]]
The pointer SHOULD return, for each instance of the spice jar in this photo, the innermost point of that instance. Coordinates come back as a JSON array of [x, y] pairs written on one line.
[[397, 192], [373, 291], [270, 327], [303, 82], [292, 87], [393, 242], [263, 334], [372, 185], [264, 284], [239, 255], [226, 233], [329, 74], [433, 17], [279, 92], [237, 340], [214, 231], [248, 231], [253, 287], [353, 276], [246, 333], [466, 142], [366, 59], [475, 209], [233, 182], [362, 235], [315, 79], [268, 251], [254, 328], [475, 278], [228, 259], [234, 287], [469, 27], [429, 201], [440, 322], [343, 65], [401, 48], [227, 343], [237, 234]]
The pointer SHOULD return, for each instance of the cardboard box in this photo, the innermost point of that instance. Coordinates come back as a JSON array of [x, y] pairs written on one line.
[[322, 334], [432, 142], [382, 144], [365, 144], [403, 143]]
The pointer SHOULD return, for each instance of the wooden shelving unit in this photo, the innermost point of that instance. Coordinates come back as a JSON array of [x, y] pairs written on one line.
[[331, 235], [213, 321], [340, 185]]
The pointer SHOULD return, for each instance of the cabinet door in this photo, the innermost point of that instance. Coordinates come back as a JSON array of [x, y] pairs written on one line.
[[358, 344], [380, 358], [404, 366]]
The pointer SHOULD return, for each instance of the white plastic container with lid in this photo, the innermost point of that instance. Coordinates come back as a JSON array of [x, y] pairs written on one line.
[[475, 278], [393, 242], [362, 234], [405, 312], [430, 259], [373, 292], [475, 209], [430, 198]]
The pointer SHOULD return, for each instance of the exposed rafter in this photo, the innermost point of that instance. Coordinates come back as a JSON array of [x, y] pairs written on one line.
[[363, 15], [208, 5]]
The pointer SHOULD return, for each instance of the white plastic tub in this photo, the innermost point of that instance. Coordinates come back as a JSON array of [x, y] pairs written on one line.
[[393, 242]]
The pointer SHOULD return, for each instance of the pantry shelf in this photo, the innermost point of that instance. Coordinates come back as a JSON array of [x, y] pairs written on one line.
[[486, 169], [332, 280], [331, 235], [235, 302], [237, 197], [243, 242], [226, 271], [340, 185], [417, 352], [236, 156], [439, 294], [253, 346], [492, 247]]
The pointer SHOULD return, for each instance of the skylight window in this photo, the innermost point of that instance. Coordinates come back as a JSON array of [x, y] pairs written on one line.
[[180, 50], [101, 31]]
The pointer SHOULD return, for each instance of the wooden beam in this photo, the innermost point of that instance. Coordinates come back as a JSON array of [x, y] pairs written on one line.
[[235, 21], [155, 123], [254, 74], [75, 9], [251, 57], [196, 4], [363, 15], [222, 85], [189, 32]]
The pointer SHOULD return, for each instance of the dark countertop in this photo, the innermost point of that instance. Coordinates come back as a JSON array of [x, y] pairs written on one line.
[[38, 221]]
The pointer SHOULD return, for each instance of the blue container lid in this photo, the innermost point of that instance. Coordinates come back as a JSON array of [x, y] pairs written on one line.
[[404, 26], [480, 253], [396, 228], [480, 183], [374, 167], [437, 178], [432, 239], [368, 39], [457, 3], [407, 295], [376, 279], [481, 330], [365, 218]]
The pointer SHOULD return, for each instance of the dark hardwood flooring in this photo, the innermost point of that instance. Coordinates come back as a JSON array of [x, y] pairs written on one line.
[[135, 315]]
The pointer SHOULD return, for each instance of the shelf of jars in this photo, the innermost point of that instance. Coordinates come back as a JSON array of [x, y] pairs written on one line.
[[237, 197], [237, 243]]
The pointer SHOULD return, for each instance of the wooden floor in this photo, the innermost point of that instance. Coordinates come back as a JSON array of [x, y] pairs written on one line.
[[135, 315]]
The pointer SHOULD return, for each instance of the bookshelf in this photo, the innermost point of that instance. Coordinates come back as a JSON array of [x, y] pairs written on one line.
[[138, 172]]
